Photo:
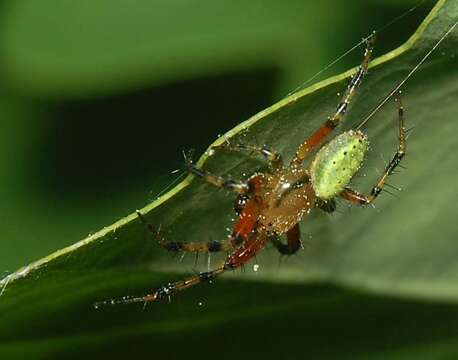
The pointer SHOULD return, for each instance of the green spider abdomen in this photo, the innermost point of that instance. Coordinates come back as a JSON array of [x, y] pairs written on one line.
[[337, 162]]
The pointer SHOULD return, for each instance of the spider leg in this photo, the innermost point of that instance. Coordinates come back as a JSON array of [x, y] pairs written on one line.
[[360, 199], [228, 244], [272, 156], [320, 135], [251, 243], [293, 244], [237, 259], [239, 187]]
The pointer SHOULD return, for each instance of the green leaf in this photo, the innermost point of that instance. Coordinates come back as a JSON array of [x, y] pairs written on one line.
[[235, 320], [403, 247]]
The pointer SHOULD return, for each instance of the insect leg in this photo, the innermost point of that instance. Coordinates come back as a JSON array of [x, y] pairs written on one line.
[[293, 244], [360, 199], [228, 244], [320, 135]]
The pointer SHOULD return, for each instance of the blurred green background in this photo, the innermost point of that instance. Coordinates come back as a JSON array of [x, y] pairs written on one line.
[[89, 90]]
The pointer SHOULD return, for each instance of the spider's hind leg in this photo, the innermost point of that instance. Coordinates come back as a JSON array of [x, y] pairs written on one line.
[[228, 244], [361, 199]]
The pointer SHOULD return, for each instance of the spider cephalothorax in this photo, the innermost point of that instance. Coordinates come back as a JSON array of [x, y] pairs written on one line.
[[271, 204]]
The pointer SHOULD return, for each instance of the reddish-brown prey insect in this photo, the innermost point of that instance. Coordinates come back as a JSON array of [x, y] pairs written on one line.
[[272, 203]]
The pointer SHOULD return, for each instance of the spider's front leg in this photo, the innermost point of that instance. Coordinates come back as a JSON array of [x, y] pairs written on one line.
[[274, 158], [360, 199], [321, 134], [243, 254], [226, 245], [245, 231], [244, 206], [239, 187]]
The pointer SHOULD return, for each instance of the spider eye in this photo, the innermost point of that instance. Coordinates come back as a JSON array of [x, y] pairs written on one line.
[[240, 203], [298, 185]]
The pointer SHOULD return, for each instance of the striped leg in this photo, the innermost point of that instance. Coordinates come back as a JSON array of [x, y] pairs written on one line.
[[244, 253], [360, 199], [239, 187], [181, 246], [273, 157], [320, 135]]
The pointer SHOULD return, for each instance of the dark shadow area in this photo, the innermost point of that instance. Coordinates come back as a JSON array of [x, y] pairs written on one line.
[[227, 319], [394, 24], [103, 146]]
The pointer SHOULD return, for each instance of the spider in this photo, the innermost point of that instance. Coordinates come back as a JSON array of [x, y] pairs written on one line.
[[272, 203]]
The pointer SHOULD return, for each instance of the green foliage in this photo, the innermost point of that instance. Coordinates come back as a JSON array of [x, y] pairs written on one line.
[[173, 41], [403, 247]]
